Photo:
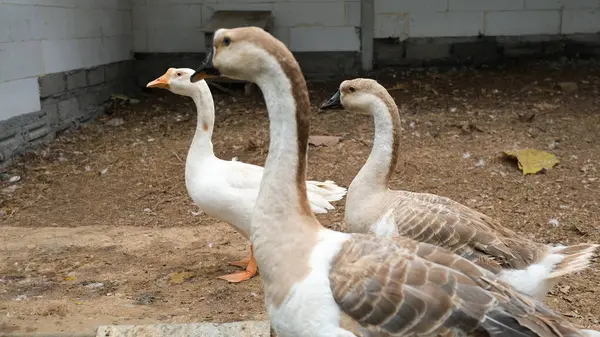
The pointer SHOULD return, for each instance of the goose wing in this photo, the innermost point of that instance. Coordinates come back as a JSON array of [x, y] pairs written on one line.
[[400, 287]]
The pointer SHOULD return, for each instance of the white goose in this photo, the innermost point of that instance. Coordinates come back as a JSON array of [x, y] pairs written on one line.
[[527, 265], [322, 283], [227, 190]]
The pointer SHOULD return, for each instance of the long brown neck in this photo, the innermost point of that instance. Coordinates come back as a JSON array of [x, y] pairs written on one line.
[[284, 229]]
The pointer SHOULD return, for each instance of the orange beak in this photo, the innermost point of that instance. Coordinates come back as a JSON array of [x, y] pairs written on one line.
[[161, 82]]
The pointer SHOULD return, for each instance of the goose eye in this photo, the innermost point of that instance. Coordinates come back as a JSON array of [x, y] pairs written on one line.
[[226, 41], [352, 89], [178, 74]]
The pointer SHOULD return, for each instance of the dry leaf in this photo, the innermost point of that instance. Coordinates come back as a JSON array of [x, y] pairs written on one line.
[[179, 277], [532, 161], [323, 140]]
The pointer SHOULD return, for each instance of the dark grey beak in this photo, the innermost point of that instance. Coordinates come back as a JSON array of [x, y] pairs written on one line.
[[333, 103], [206, 70]]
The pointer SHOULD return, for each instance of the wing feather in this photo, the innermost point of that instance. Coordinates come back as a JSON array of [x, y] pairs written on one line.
[[400, 287]]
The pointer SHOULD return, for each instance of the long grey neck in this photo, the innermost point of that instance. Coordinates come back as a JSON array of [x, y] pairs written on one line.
[[374, 175], [202, 142]]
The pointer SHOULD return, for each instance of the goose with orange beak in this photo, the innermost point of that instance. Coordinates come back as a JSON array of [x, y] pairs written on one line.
[[322, 283], [227, 190]]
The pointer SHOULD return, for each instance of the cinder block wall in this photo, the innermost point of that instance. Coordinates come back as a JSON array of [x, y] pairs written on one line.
[[323, 34], [59, 61], [410, 31]]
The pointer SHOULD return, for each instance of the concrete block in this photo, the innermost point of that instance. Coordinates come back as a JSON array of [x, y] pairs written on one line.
[[484, 5], [20, 60], [111, 72], [76, 79], [324, 39], [389, 52], [576, 21], [140, 43], [398, 6], [236, 329], [543, 4], [427, 51], [352, 13], [578, 4], [19, 97], [52, 84], [95, 76], [299, 13], [14, 23], [522, 23], [446, 24], [51, 111], [64, 55], [328, 65], [392, 25], [175, 40], [480, 51], [68, 109]]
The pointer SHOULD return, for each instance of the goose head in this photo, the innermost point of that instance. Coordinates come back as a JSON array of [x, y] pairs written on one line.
[[177, 81], [356, 95], [245, 53]]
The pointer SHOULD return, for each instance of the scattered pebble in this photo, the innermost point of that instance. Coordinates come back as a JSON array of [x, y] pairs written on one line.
[[196, 213], [568, 87], [10, 189], [553, 222], [93, 285], [466, 155], [14, 179], [87, 168], [147, 210], [411, 124], [480, 163], [210, 245], [104, 171], [453, 109], [115, 122], [553, 145], [150, 140], [21, 298]]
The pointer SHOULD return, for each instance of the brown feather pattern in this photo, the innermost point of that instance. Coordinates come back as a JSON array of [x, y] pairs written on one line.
[[401, 287]]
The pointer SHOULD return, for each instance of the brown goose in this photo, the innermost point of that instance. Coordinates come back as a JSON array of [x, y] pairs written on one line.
[[319, 282], [527, 265]]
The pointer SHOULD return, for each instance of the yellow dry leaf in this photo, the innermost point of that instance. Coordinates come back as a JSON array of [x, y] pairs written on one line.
[[78, 303], [532, 161], [70, 278], [179, 277]]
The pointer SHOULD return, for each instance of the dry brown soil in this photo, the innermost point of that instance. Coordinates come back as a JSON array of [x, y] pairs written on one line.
[[100, 218]]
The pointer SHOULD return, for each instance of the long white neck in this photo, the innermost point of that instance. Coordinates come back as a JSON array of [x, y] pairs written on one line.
[[375, 174], [202, 142]]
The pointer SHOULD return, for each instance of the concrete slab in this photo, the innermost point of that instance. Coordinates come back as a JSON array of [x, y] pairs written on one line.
[[235, 329]]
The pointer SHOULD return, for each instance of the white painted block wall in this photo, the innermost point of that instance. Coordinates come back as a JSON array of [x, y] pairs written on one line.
[[161, 26], [40, 37], [458, 18]]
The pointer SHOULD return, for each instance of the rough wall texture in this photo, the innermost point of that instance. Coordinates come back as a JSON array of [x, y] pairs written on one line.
[[484, 49], [315, 65], [67, 99]]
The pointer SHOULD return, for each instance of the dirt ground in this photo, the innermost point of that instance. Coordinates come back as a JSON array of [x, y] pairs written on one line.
[[100, 230]]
